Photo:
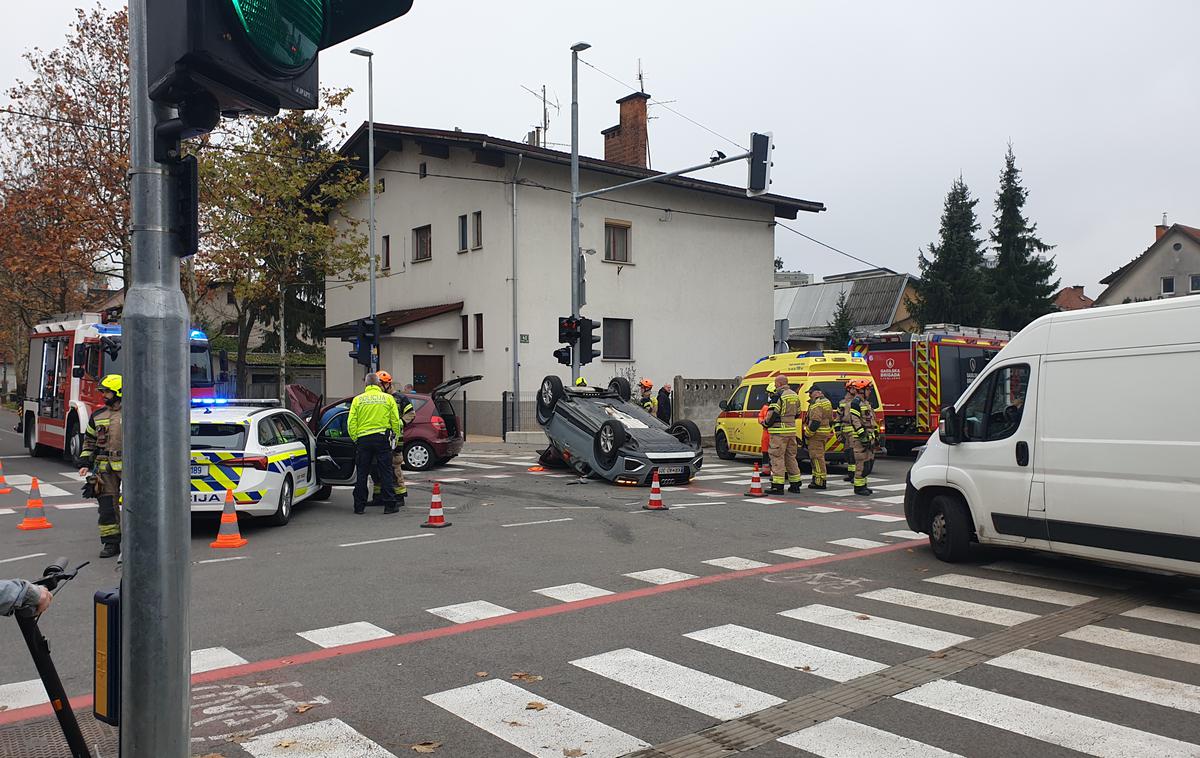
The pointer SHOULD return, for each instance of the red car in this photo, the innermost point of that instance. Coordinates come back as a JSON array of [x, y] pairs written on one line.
[[432, 439]]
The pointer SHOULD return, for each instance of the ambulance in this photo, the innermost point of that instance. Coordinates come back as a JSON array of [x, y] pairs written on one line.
[[738, 431]]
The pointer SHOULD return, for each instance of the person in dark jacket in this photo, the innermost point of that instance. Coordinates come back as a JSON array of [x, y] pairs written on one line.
[[664, 404]]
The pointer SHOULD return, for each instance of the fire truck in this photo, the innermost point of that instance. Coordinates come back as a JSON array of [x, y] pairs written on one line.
[[918, 374], [68, 355]]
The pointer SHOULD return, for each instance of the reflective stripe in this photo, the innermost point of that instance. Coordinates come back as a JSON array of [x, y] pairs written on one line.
[[782, 430]]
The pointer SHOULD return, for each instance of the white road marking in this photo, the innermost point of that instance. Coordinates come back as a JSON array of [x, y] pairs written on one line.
[[385, 539], [733, 563], [1042, 722], [763, 501], [474, 464], [696, 690], [6, 511], [1165, 616], [568, 593], [819, 509], [22, 694], [22, 557], [802, 553], [714, 494], [894, 500], [887, 487], [706, 502], [886, 518], [9, 457], [47, 490], [1023, 591], [834, 493], [857, 543], [73, 506], [562, 507], [792, 654], [1137, 643], [464, 613], [949, 606], [481, 455], [1148, 689], [709, 477], [223, 560], [1061, 575], [840, 738], [532, 523], [498, 707], [345, 634], [497, 476], [905, 534], [660, 576], [212, 658], [899, 632], [450, 479], [331, 738]]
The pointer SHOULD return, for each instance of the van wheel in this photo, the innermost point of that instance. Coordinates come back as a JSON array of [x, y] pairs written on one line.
[[723, 451], [949, 529], [73, 445]]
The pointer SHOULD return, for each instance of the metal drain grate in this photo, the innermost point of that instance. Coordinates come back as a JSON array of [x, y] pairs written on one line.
[[42, 738]]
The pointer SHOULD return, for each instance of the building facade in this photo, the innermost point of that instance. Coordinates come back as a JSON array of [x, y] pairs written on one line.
[[1168, 268]]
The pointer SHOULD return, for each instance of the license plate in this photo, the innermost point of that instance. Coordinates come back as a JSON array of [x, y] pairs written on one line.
[[199, 470], [666, 470]]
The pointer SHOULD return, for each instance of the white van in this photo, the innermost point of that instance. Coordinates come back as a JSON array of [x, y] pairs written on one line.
[[1081, 437]]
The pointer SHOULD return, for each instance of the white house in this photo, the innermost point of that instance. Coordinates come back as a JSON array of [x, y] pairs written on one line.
[[474, 260], [1168, 268]]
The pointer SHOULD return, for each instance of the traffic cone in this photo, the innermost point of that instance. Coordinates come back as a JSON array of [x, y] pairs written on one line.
[[228, 535], [756, 489], [656, 503], [436, 519], [35, 513], [4, 488]]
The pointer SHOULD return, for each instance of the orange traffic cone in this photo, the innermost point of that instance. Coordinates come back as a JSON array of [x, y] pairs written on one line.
[[35, 513], [4, 488], [756, 489], [436, 519], [656, 503], [228, 535]]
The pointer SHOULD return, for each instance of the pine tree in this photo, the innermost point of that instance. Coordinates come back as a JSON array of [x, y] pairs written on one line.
[[1020, 284], [953, 287], [842, 324]]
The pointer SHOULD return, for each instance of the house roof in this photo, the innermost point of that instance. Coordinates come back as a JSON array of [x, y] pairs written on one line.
[[490, 151], [390, 320], [1072, 299], [872, 302], [1116, 276]]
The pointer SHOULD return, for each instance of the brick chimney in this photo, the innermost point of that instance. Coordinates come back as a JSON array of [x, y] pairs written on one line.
[[1159, 231], [626, 142]]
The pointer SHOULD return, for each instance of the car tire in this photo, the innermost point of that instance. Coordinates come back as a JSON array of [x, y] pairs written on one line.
[[35, 450], [548, 396], [73, 443], [321, 493], [283, 512], [419, 456], [686, 432], [949, 529], [723, 451], [621, 386], [607, 443]]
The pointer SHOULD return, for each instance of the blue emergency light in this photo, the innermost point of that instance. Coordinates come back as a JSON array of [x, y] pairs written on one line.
[[196, 334], [856, 354]]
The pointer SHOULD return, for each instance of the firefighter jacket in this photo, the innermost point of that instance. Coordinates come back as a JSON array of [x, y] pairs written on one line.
[[853, 423], [841, 424], [784, 408], [103, 441], [373, 412], [647, 403], [820, 415], [406, 409]]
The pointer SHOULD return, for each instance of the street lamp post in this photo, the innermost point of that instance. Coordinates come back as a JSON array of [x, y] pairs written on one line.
[[370, 56], [576, 49]]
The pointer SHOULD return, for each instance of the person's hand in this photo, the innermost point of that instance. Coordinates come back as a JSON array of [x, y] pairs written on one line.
[[83, 471], [44, 598]]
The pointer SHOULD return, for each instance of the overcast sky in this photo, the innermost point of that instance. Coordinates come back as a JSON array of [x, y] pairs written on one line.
[[876, 106]]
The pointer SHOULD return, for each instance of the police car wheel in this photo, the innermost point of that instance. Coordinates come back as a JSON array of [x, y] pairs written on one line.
[[419, 456], [283, 513]]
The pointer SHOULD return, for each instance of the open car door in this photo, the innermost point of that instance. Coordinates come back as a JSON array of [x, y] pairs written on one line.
[[335, 449]]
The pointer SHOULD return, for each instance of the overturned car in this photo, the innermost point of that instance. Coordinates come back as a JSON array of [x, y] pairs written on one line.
[[597, 431]]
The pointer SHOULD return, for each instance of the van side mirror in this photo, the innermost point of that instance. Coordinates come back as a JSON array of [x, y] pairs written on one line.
[[948, 429], [723, 405]]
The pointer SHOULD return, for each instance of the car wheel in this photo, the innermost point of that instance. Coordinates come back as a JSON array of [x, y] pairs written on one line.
[[686, 432], [35, 450], [548, 396], [608, 442], [283, 513], [73, 449], [620, 385], [723, 451], [949, 529], [419, 456]]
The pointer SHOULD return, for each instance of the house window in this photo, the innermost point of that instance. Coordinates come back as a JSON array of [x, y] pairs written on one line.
[[230, 298], [478, 331], [1195, 285], [615, 342], [1168, 285], [462, 233], [230, 329], [422, 243], [386, 253], [464, 322], [476, 230], [422, 170], [616, 241]]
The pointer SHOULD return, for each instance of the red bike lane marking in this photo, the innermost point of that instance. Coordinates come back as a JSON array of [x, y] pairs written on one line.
[[324, 654]]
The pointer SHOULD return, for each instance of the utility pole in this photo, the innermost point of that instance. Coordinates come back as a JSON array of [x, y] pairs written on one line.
[[576, 49], [370, 56]]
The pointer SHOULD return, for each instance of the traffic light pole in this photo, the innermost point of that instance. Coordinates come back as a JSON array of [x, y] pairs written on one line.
[[575, 298], [156, 586]]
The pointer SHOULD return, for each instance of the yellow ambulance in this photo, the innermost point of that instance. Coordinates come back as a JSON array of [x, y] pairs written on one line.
[[738, 429]]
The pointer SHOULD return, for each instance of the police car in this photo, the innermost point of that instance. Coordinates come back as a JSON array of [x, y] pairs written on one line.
[[265, 454]]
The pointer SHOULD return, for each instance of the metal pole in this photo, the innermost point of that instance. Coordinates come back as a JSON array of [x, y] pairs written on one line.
[[282, 346], [156, 583], [667, 175], [516, 332], [575, 50], [371, 177]]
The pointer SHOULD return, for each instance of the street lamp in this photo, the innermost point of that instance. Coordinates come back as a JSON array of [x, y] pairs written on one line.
[[576, 49], [370, 56]]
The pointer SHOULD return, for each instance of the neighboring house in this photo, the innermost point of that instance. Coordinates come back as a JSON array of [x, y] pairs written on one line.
[[1072, 299], [1168, 268], [792, 279], [876, 298], [473, 243]]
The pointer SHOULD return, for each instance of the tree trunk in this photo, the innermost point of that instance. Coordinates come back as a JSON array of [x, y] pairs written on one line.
[[243, 379]]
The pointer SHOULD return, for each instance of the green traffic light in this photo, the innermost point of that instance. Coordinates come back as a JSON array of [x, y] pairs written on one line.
[[287, 34]]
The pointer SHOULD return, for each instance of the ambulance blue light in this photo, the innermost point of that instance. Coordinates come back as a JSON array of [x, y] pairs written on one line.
[[856, 354], [110, 329], [196, 334]]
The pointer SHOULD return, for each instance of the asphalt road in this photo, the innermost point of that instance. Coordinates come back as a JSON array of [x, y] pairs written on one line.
[[558, 618]]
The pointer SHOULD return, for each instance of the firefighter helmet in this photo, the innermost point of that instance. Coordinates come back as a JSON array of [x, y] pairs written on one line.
[[112, 383], [384, 377], [581, 382], [646, 384], [860, 384]]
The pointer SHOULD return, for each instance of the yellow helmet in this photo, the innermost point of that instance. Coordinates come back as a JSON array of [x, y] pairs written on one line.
[[112, 383], [581, 382]]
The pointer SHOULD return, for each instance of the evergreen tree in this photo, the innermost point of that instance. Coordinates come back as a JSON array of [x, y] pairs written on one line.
[[842, 324], [953, 287], [1020, 284]]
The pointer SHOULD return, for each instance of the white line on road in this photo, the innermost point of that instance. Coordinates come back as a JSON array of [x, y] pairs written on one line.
[[331, 738], [1165, 616], [569, 593], [819, 509], [792, 654], [660, 576], [6, 511], [887, 518], [701, 692], [482, 455], [72, 506], [473, 464], [834, 493], [212, 658], [1023, 591], [385, 539], [464, 613], [450, 479], [562, 507], [499, 708], [714, 494], [887, 487], [949, 606], [763, 501], [345, 634], [22, 694], [1058, 574], [893, 500], [223, 560], [857, 543], [497, 476], [733, 563], [705, 502], [905, 534], [802, 553], [22, 557], [1042, 722], [1137, 643], [532, 523], [898, 632], [840, 738], [9, 457]]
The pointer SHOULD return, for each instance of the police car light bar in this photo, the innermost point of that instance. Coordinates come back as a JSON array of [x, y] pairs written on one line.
[[201, 402]]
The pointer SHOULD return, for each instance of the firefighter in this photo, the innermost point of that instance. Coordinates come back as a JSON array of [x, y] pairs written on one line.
[[868, 415], [842, 429], [645, 399], [820, 415], [859, 433], [781, 424], [101, 464], [407, 414]]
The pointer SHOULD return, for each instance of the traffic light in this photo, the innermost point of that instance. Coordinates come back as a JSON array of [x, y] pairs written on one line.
[[568, 329], [364, 342], [762, 153], [587, 338], [563, 355], [251, 55]]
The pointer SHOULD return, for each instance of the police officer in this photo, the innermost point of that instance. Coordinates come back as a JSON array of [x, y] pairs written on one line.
[[784, 407], [101, 459], [645, 399], [860, 434], [820, 415], [407, 414], [373, 424]]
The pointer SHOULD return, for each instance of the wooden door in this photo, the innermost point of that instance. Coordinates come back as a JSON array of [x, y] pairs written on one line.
[[427, 372]]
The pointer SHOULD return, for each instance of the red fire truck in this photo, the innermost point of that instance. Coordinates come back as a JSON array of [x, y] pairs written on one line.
[[67, 358], [917, 374]]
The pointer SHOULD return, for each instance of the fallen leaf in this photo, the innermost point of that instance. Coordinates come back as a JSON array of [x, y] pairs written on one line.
[[937, 655], [863, 617], [260, 684], [909, 550], [524, 676], [237, 738], [425, 747], [285, 743], [573, 752], [805, 668], [481, 674], [535, 705], [514, 723], [304, 707]]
